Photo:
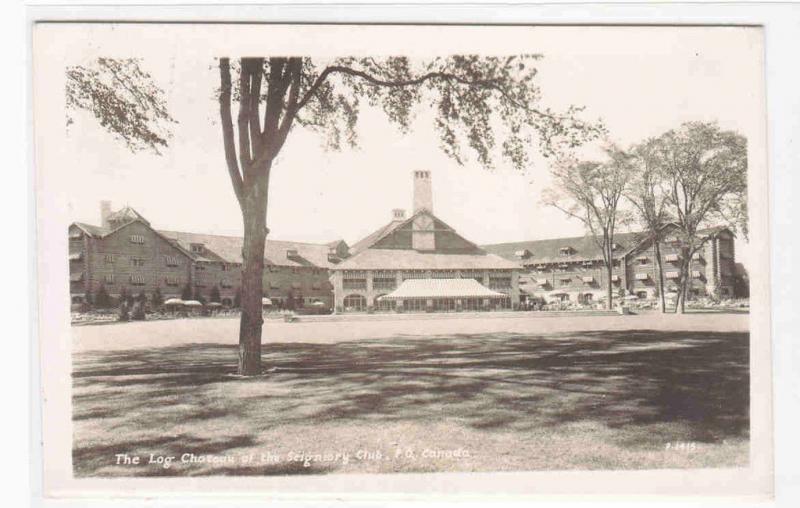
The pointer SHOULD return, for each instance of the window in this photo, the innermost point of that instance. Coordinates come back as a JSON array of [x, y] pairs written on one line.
[[499, 282], [643, 260], [472, 274], [383, 280], [588, 280], [197, 248], [198, 267], [443, 274], [109, 278], [672, 275], [355, 303], [137, 261], [109, 258], [566, 251], [291, 253], [225, 268], [642, 276], [384, 305], [353, 279], [171, 281], [171, 261], [225, 284], [137, 239], [137, 280], [413, 274], [565, 281], [76, 256]]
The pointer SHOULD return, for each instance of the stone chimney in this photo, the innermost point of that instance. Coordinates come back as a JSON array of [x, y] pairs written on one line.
[[423, 236], [398, 214], [423, 193], [105, 213]]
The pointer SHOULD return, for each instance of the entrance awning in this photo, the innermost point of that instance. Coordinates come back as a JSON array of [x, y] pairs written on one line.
[[441, 288]]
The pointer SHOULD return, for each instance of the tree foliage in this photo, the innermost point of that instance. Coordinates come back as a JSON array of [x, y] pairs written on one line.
[[705, 173], [123, 98], [591, 192]]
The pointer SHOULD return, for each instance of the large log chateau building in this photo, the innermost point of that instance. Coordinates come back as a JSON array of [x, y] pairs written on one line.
[[411, 264]]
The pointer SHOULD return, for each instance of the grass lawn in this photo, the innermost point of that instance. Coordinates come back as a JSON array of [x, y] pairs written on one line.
[[446, 395]]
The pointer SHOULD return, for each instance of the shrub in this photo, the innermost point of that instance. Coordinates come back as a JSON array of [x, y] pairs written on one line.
[[102, 300]]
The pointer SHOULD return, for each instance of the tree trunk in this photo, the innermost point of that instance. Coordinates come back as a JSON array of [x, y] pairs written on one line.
[[254, 205], [659, 276], [609, 285], [680, 306]]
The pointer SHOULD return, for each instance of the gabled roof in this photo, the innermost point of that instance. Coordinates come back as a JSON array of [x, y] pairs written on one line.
[[228, 249], [127, 214], [91, 230], [371, 239]]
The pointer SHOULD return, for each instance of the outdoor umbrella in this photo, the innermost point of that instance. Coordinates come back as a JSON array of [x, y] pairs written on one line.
[[174, 301], [192, 303]]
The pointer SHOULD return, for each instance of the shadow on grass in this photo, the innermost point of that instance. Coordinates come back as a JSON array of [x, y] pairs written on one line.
[[697, 381]]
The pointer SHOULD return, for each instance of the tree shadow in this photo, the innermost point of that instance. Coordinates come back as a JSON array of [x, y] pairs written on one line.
[[696, 381]]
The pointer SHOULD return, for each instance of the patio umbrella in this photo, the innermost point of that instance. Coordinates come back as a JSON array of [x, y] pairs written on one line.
[[214, 304], [174, 301], [192, 303], [318, 304]]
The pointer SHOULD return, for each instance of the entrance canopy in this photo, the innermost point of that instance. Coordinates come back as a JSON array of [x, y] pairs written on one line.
[[441, 288]]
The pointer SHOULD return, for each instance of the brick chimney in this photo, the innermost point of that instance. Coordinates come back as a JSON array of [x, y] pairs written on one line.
[[105, 213], [423, 194]]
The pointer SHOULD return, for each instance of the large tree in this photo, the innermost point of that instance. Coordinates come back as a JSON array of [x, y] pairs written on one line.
[[489, 106], [648, 195], [705, 173], [591, 192]]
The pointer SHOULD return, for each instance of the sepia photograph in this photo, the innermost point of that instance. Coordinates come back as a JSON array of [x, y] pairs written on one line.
[[323, 250]]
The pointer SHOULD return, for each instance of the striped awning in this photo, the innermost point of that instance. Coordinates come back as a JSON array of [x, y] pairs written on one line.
[[441, 288]]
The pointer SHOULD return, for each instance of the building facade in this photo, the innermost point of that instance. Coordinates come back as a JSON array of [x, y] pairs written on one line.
[[127, 255], [572, 269], [422, 247]]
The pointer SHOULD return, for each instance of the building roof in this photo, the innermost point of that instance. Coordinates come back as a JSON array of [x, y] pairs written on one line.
[[369, 240], [127, 214], [407, 259], [228, 249], [583, 248], [92, 230], [222, 248], [442, 288]]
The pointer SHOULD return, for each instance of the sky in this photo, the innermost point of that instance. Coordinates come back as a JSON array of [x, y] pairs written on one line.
[[640, 82]]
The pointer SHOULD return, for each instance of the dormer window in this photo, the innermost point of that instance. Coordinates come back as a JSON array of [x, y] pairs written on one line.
[[614, 246], [291, 253], [197, 248], [566, 251], [523, 254]]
